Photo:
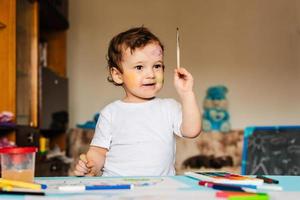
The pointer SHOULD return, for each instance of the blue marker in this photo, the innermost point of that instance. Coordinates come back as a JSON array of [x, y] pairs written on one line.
[[81, 188]]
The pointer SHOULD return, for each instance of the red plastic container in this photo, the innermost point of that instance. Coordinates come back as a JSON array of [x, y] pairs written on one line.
[[18, 163]]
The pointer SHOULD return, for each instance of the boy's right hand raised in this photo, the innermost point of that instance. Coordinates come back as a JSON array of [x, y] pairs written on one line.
[[85, 167]]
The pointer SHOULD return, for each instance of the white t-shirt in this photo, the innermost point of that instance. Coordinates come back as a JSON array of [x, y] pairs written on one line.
[[139, 137]]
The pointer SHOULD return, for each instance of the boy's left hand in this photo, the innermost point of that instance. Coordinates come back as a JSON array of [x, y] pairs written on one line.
[[183, 81]]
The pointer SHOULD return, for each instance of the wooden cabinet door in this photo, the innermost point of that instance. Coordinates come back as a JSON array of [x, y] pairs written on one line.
[[19, 59], [27, 62], [8, 55]]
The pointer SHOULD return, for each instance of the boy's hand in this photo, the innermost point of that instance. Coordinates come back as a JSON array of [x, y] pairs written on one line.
[[85, 167], [183, 81], [191, 117]]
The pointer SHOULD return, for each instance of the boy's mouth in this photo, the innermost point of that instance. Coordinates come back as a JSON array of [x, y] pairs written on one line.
[[149, 84]]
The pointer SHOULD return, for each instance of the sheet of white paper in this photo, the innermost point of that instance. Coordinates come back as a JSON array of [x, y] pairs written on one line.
[[143, 183], [135, 195], [157, 195]]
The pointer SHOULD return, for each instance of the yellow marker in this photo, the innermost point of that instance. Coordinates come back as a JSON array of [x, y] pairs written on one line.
[[20, 184], [5, 186]]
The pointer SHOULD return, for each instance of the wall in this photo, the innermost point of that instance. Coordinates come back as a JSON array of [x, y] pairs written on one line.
[[251, 46]]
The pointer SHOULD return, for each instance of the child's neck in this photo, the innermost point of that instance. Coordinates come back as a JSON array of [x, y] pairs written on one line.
[[137, 100]]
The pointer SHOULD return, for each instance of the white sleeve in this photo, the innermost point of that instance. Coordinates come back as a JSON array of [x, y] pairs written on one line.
[[176, 116], [102, 137]]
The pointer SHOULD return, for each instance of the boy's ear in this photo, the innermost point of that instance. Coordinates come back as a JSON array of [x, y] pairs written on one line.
[[116, 75]]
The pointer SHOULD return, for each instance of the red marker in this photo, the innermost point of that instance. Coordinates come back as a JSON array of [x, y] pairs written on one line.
[[217, 186], [267, 180]]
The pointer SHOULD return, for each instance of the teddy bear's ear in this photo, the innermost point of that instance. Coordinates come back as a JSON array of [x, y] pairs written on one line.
[[224, 89], [217, 92]]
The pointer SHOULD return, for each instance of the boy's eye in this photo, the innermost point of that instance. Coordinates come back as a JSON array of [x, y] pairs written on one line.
[[158, 66], [139, 67]]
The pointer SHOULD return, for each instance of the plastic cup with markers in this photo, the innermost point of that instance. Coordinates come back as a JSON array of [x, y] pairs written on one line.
[[17, 163]]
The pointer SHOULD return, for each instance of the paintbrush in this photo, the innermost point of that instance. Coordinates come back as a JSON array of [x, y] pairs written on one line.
[[178, 48]]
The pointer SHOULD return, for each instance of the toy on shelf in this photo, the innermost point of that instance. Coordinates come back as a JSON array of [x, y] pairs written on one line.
[[90, 124], [6, 117], [216, 116]]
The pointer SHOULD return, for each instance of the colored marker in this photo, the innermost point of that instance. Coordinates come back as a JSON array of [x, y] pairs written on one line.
[[255, 197], [21, 191], [22, 184], [225, 187], [267, 180], [227, 194], [250, 188], [209, 184], [80, 188]]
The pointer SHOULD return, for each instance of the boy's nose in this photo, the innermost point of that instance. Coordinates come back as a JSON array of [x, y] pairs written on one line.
[[150, 73]]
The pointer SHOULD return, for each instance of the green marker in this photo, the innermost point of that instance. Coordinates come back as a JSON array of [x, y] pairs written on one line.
[[252, 197]]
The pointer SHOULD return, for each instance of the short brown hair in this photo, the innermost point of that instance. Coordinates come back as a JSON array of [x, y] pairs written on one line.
[[133, 38]]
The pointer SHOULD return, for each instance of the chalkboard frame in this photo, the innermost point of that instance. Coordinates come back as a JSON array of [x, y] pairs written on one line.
[[249, 131]]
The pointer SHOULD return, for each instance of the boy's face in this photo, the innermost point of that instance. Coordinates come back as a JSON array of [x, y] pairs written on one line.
[[143, 72]]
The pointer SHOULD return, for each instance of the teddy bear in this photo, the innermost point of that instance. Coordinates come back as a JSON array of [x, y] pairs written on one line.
[[90, 124], [215, 115]]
